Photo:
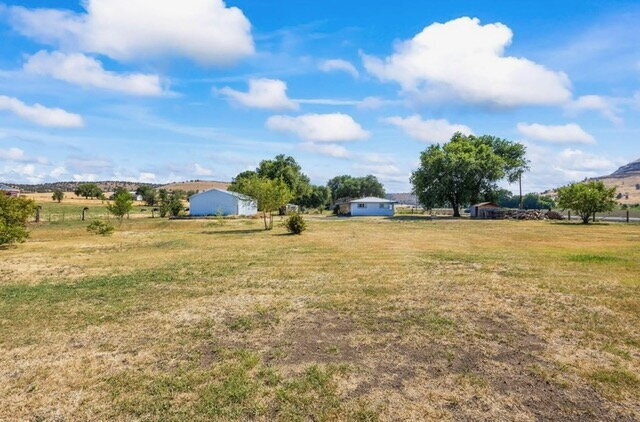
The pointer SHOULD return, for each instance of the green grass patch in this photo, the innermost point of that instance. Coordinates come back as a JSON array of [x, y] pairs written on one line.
[[616, 377], [594, 258], [236, 387]]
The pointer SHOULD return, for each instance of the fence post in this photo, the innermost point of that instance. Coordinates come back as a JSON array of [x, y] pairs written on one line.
[[569, 215], [38, 208], [627, 216], [594, 217], [84, 210]]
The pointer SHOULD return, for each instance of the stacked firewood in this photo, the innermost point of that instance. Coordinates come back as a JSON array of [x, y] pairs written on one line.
[[532, 215]]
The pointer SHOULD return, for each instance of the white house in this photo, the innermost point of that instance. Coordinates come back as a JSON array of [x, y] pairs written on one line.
[[218, 201], [372, 206], [135, 196]]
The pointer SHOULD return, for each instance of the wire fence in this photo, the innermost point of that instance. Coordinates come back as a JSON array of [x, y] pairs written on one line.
[[631, 215], [60, 216]]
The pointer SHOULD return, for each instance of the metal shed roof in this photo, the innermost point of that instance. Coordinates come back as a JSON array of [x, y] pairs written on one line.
[[373, 200], [236, 194], [486, 204], [7, 187]]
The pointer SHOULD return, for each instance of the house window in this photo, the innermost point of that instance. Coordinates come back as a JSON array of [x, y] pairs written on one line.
[[383, 205], [362, 205]]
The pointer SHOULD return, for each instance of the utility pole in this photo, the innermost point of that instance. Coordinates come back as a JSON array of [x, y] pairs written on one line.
[[520, 183]]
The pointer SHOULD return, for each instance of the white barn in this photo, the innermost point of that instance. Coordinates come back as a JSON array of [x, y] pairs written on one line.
[[372, 206], [218, 201]]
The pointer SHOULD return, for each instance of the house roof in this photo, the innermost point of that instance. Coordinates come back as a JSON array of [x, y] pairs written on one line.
[[486, 204], [373, 200], [7, 187], [235, 194]]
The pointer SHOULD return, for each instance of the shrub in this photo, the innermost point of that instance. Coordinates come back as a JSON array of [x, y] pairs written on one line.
[[14, 213], [295, 224], [101, 227], [122, 204]]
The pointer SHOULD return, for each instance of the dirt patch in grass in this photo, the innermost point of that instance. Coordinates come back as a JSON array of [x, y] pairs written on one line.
[[515, 368], [410, 352]]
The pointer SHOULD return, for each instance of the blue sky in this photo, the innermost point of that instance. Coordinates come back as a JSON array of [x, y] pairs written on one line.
[[161, 90]]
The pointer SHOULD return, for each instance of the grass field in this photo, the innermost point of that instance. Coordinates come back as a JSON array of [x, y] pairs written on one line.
[[357, 319]]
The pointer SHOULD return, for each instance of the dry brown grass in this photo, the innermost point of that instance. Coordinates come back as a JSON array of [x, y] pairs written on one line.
[[197, 186], [357, 319]]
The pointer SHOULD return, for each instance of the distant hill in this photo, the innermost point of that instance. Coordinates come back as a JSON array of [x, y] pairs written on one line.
[[197, 185], [110, 185], [403, 198], [627, 182], [106, 186]]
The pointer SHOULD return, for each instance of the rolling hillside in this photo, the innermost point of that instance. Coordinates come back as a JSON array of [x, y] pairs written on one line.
[[627, 181], [197, 185]]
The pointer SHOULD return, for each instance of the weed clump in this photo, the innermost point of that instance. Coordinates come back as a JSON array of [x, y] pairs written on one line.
[[295, 224], [101, 227]]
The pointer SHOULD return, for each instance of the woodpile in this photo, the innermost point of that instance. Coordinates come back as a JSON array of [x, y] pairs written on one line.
[[532, 215], [554, 215]]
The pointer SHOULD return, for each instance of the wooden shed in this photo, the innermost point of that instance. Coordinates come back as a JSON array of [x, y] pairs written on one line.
[[485, 210]]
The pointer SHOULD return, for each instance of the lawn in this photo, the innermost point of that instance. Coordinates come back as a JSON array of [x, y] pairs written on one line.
[[357, 319]]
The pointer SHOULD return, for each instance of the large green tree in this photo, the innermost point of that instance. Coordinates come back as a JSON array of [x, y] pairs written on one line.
[[319, 197], [465, 170], [514, 156], [535, 201], [587, 198], [57, 195], [14, 213], [346, 186], [88, 190], [284, 168], [270, 194]]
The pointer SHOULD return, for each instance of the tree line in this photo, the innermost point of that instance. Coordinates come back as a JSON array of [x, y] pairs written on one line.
[[463, 171], [280, 181]]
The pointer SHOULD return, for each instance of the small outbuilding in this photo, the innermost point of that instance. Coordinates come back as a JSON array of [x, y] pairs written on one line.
[[372, 206], [9, 190], [484, 210], [221, 202]]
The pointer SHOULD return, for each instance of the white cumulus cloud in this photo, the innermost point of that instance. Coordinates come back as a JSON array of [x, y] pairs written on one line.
[[18, 155], [86, 71], [200, 170], [578, 160], [605, 106], [57, 172], [431, 130], [332, 150], [147, 177], [206, 31], [263, 93], [570, 133], [466, 60], [340, 65], [331, 127], [41, 115]]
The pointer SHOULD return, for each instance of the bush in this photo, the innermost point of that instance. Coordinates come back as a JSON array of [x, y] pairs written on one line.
[[101, 227], [295, 224], [14, 213]]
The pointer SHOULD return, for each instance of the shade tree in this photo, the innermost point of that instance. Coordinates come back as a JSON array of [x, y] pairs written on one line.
[[587, 198], [270, 194], [465, 170]]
